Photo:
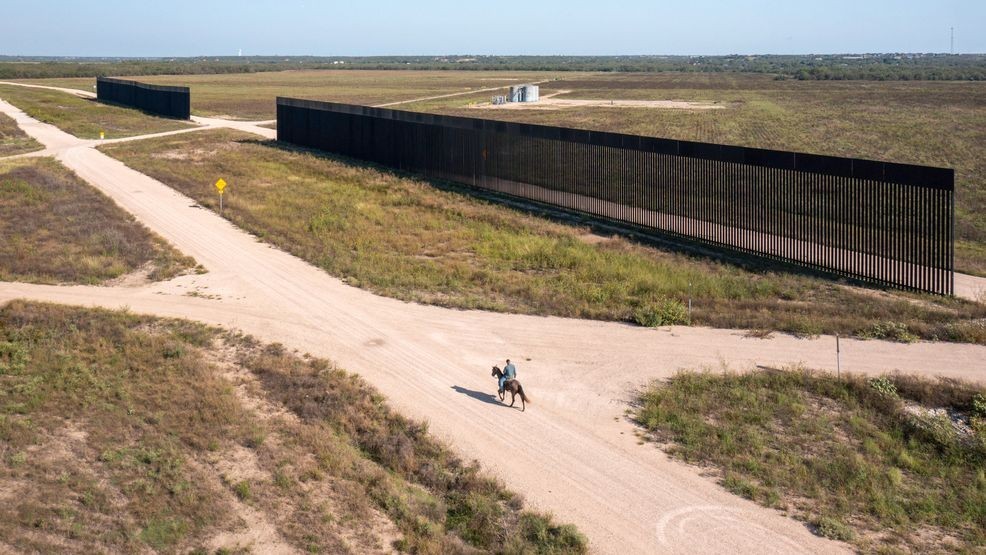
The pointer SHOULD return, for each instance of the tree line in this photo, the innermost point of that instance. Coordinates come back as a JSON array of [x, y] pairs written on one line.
[[882, 67]]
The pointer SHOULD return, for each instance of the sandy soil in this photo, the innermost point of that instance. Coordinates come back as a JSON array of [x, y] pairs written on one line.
[[572, 453]]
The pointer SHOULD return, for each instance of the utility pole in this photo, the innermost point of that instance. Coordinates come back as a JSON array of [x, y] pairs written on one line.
[[953, 41]]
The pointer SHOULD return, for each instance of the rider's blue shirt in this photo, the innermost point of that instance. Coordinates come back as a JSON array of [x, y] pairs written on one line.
[[510, 372]]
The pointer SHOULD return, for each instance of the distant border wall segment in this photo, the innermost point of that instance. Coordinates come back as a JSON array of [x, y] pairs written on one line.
[[171, 102], [878, 222]]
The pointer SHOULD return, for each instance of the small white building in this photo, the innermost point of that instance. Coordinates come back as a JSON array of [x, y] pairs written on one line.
[[524, 93]]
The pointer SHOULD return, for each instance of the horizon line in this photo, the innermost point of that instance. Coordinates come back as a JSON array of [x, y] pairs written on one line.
[[275, 55]]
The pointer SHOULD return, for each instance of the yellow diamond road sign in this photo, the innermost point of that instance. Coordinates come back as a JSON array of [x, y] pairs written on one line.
[[221, 186]]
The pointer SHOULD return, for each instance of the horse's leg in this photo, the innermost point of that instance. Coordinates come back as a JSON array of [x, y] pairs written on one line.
[[513, 395]]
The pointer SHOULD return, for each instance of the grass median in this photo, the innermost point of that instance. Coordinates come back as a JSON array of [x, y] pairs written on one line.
[[84, 117], [889, 464], [13, 140], [422, 241], [54, 228], [121, 433]]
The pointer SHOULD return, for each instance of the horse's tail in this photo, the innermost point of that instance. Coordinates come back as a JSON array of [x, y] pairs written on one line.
[[520, 390]]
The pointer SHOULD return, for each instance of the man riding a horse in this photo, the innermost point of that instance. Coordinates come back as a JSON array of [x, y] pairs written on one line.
[[508, 383]]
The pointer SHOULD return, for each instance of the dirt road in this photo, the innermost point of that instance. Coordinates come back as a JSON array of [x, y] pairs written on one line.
[[571, 453]]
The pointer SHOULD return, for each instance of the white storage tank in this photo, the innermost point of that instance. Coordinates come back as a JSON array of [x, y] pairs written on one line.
[[524, 93], [516, 93], [532, 93]]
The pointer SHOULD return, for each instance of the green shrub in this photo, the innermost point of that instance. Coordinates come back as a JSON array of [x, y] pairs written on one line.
[[739, 486], [13, 357], [667, 312], [979, 406], [889, 331], [937, 428], [474, 517], [282, 480], [173, 350], [163, 533], [803, 327], [833, 529], [242, 490], [885, 386], [547, 537]]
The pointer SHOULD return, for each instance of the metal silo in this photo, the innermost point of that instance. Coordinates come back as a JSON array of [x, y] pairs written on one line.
[[524, 93], [516, 93], [532, 93]]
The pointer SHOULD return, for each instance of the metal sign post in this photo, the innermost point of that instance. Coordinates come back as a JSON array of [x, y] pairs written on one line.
[[221, 187], [689, 301], [838, 358]]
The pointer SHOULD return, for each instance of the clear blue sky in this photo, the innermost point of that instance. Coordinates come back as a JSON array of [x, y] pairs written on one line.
[[377, 27]]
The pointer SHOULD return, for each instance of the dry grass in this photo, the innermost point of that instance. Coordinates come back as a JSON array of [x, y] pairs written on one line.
[[54, 228], [860, 460], [414, 240], [85, 118], [13, 140], [121, 433]]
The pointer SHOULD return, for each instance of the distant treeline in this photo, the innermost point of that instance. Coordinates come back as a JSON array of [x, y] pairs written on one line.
[[883, 67]]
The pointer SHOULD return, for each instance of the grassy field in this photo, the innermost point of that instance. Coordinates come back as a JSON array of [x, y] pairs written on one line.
[[409, 239], [251, 96], [892, 464], [121, 433], [85, 118], [13, 140], [54, 228]]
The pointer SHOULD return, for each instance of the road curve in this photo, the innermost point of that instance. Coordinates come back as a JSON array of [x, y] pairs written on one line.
[[571, 453]]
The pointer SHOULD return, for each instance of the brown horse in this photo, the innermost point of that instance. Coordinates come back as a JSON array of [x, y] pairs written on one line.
[[514, 387]]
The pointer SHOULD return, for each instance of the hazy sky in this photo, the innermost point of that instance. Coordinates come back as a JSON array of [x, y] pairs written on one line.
[[376, 27]]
